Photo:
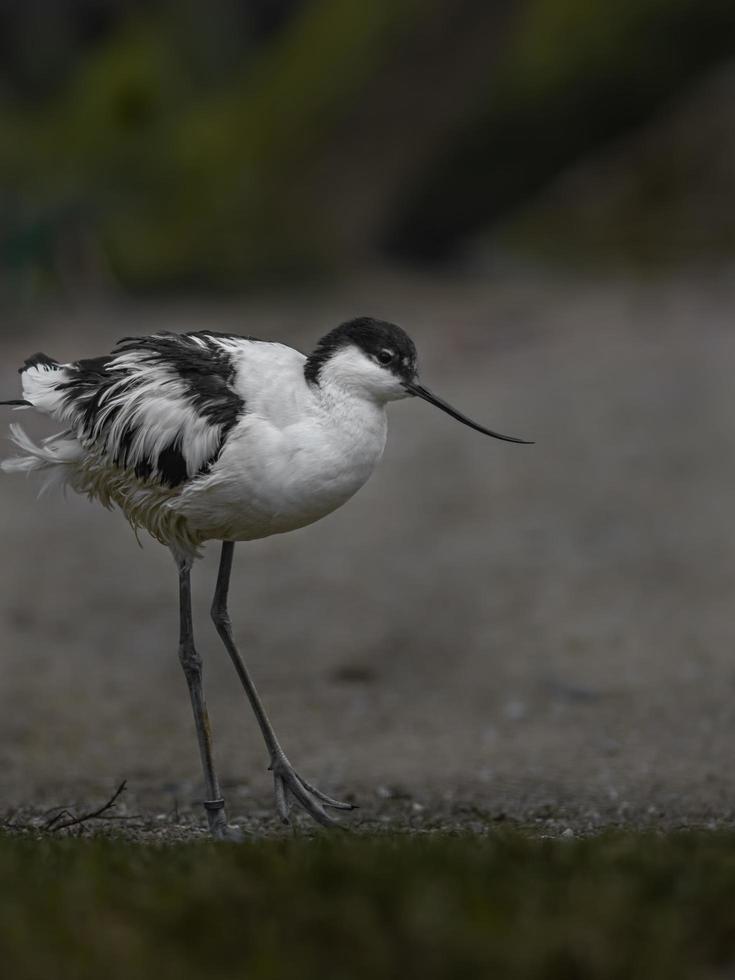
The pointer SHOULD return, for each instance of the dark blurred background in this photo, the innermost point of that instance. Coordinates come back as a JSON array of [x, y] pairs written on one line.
[[221, 145], [541, 192]]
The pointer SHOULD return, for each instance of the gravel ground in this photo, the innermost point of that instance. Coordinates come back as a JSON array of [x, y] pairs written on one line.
[[487, 632]]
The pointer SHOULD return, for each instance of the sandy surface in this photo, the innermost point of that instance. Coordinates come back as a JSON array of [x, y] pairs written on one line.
[[486, 632]]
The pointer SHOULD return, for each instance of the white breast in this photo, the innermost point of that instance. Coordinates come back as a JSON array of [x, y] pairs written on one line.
[[294, 457]]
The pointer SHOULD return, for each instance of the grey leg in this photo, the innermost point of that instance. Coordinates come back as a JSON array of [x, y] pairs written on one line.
[[192, 664], [287, 782]]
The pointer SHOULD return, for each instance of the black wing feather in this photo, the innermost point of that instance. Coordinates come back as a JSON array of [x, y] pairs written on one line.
[[195, 364]]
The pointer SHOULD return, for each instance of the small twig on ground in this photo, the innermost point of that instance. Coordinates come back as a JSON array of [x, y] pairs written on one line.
[[52, 809], [75, 821], [63, 812]]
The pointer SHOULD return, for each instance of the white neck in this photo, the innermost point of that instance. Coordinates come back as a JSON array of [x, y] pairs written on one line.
[[350, 409], [349, 406]]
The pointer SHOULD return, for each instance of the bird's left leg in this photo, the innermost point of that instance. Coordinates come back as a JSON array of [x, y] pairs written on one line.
[[192, 665], [287, 782]]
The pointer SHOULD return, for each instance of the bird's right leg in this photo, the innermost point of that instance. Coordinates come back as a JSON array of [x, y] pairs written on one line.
[[191, 662], [287, 782]]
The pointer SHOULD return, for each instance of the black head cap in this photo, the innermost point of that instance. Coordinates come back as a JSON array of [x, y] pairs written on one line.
[[387, 343]]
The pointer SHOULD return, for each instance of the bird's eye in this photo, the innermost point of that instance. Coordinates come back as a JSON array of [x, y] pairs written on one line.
[[386, 356]]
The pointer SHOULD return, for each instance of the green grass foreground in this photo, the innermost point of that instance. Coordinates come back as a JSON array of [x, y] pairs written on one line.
[[508, 906]]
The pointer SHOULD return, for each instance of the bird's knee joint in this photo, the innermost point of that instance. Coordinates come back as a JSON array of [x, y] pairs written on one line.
[[221, 617], [190, 661]]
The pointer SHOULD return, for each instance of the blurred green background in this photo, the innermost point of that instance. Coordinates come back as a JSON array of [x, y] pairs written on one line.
[[160, 145]]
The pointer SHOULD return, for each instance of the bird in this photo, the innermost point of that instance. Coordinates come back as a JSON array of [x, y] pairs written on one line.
[[206, 436]]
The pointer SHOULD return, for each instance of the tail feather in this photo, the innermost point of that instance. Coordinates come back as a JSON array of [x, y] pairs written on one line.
[[51, 453], [39, 360], [41, 378], [42, 381]]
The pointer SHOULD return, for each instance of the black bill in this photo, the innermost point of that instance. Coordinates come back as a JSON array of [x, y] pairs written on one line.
[[428, 396]]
